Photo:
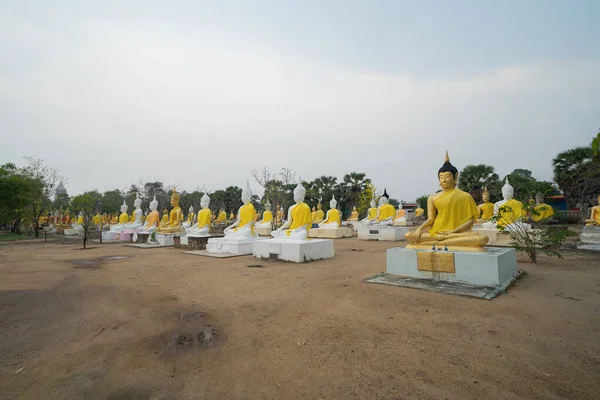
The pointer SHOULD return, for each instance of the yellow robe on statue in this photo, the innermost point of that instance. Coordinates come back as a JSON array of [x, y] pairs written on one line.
[[204, 217], [153, 219], [386, 211], [487, 210], [333, 216], [320, 215], [544, 211], [123, 218], [300, 216], [372, 212], [222, 217], [246, 214], [267, 216], [80, 220], [454, 208], [515, 213], [313, 215]]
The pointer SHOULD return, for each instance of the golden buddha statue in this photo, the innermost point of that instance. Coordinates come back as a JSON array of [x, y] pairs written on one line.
[[279, 215], [486, 209], [67, 218], [175, 217], [97, 220], [320, 214], [165, 217], [542, 210], [451, 214], [594, 219], [419, 211], [222, 216], [267, 220], [313, 215], [354, 215]]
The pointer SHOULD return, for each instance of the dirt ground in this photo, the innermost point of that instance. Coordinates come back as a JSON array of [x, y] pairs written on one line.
[[164, 325]]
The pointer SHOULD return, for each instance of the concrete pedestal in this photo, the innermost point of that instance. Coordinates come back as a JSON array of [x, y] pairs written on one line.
[[400, 223], [127, 236], [496, 267], [195, 242], [73, 232], [263, 230], [231, 246], [297, 251], [590, 238], [110, 235], [140, 237], [387, 233], [165, 239], [330, 233]]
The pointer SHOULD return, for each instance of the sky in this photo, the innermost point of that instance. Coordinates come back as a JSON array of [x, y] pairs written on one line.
[[198, 93]]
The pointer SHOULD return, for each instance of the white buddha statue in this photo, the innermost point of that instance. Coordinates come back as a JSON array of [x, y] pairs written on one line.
[[138, 215], [513, 212], [332, 218], [153, 219], [371, 213], [123, 220], [243, 227], [299, 218], [190, 220], [385, 212], [267, 220], [202, 227], [78, 224], [400, 218]]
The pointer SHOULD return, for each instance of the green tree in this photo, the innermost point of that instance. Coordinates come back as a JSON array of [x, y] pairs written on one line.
[[86, 203], [364, 201], [422, 202], [526, 186], [475, 177], [111, 201], [577, 174], [14, 190], [354, 184]]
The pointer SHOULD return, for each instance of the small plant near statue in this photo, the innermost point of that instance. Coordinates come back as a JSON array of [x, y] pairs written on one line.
[[530, 241]]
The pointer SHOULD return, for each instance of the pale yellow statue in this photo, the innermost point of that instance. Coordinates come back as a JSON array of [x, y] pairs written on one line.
[[486, 209], [354, 215], [175, 217], [450, 216], [594, 215], [320, 214], [313, 214], [222, 216]]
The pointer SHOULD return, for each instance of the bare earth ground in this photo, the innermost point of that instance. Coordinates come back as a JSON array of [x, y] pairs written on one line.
[[164, 325]]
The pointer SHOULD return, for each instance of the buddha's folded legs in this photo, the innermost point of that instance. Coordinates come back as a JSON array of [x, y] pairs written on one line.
[[451, 239]]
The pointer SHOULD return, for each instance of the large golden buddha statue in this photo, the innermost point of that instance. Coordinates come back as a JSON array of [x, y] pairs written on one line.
[[486, 209], [450, 216], [594, 219], [175, 217]]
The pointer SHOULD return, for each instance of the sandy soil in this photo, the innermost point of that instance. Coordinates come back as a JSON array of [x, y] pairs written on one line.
[[164, 325]]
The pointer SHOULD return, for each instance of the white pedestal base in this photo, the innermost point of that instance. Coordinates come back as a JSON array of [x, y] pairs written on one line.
[[110, 235], [329, 233], [231, 246], [263, 230], [399, 223], [354, 225], [164, 239], [184, 240], [388, 233], [297, 251], [496, 267], [590, 238], [73, 232]]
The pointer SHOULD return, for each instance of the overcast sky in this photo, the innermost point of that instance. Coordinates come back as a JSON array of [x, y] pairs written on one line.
[[200, 92]]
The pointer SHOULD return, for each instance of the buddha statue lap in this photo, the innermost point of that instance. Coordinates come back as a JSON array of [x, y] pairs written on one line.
[[451, 214], [299, 218], [202, 227], [332, 219], [385, 212], [243, 227], [267, 218], [175, 217]]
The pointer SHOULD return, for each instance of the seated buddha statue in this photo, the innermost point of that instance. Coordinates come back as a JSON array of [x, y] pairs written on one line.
[[400, 218], [190, 218], [243, 227], [267, 218], [385, 212], [152, 220], [175, 216], [542, 211], [79, 222], [202, 227], [313, 215], [353, 215], [332, 219], [279, 215], [231, 216], [299, 219], [165, 216], [451, 214], [67, 219], [122, 221], [222, 216], [510, 211], [371, 212], [418, 212], [137, 215], [96, 219], [594, 219], [320, 214], [486, 209]]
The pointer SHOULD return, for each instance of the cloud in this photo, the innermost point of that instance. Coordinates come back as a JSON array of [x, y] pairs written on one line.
[[108, 102]]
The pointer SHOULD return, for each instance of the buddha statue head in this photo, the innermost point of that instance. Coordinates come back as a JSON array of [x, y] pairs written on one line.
[[447, 174], [507, 190], [384, 199], [247, 193], [191, 209], [539, 198], [175, 198], [137, 203], [486, 195], [123, 207], [205, 200], [314, 209], [373, 203], [299, 193], [165, 211], [400, 206], [333, 202]]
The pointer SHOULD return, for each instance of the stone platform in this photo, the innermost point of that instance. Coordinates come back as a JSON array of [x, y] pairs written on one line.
[[590, 238], [297, 251], [165, 239], [496, 237], [73, 232], [323, 233], [263, 231], [231, 246], [147, 245], [497, 267], [384, 233]]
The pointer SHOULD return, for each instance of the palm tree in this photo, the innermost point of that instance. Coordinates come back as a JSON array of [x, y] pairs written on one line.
[[354, 184], [577, 174], [475, 177], [326, 186]]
